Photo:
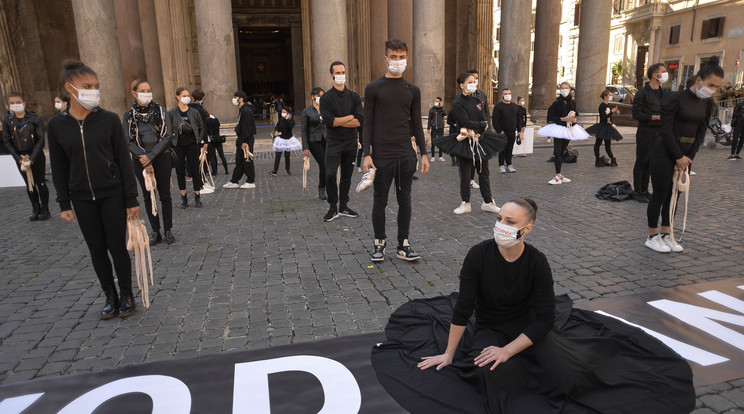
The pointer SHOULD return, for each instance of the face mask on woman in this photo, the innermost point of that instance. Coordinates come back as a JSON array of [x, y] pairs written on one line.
[[185, 100], [144, 98], [565, 92], [59, 106], [471, 87], [506, 236], [317, 100], [703, 92], [88, 98]]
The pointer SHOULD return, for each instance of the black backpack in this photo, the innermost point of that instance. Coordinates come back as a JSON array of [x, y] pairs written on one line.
[[569, 156], [617, 191]]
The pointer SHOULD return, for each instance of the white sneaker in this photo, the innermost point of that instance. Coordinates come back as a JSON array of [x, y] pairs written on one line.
[[206, 190], [464, 208], [433, 159], [230, 184], [510, 169], [565, 180], [473, 184], [555, 181], [673, 245], [502, 169], [248, 185], [441, 158], [656, 244], [492, 207]]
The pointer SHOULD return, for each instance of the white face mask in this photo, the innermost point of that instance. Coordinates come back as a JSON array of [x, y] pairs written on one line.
[[565, 92], [471, 87], [704, 92], [88, 98], [317, 100], [59, 105], [397, 67], [185, 100], [436, 103], [476, 83], [17, 108], [664, 77], [507, 98], [339, 79], [144, 98], [609, 97], [521, 103], [235, 101], [506, 236]]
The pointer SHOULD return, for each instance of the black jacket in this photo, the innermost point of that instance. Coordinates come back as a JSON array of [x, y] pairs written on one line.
[[203, 113], [560, 108], [436, 118], [684, 121], [139, 147], [646, 103], [213, 127], [90, 158], [195, 119], [737, 119], [245, 129], [24, 136], [468, 113], [313, 129], [284, 126]]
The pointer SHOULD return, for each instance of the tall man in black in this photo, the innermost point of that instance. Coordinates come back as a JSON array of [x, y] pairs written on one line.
[[484, 99], [341, 111], [647, 110], [507, 121], [392, 114], [246, 132], [437, 113]]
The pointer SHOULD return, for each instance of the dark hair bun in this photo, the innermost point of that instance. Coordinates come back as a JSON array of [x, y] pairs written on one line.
[[713, 61], [532, 203], [72, 64]]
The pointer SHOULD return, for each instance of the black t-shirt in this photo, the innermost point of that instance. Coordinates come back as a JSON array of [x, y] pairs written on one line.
[[186, 136], [506, 117]]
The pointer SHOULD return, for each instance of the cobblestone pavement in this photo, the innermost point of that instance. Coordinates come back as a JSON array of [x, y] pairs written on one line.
[[258, 268]]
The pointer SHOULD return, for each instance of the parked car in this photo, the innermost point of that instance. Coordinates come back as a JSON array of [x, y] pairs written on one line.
[[622, 93]]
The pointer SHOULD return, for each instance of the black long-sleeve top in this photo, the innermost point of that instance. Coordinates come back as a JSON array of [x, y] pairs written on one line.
[[684, 119], [560, 108], [605, 113], [213, 127], [285, 126], [522, 113], [646, 103], [90, 158], [392, 115], [245, 129], [151, 139], [737, 118], [468, 113], [501, 292], [313, 129], [338, 104], [506, 118], [183, 134], [203, 113], [24, 136], [436, 117]]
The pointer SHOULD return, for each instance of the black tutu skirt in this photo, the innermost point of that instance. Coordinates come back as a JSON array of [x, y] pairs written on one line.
[[604, 132], [588, 363], [489, 144]]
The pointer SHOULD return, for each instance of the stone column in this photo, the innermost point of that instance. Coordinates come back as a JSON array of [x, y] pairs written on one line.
[[591, 70], [130, 44], [428, 41], [153, 68], [545, 66], [95, 26], [299, 78], [330, 41], [514, 50], [378, 22], [400, 26], [217, 55], [480, 44], [307, 48]]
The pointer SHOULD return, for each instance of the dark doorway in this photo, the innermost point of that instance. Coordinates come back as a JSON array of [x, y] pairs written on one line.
[[266, 67], [641, 56]]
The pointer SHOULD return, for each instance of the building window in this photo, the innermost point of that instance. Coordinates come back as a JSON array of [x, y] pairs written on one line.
[[712, 28], [560, 41], [498, 34], [674, 32], [617, 7], [618, 49], [577, 13]]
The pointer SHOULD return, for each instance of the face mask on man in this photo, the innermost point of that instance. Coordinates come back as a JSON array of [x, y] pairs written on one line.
[[17, 107], [471, 87], [88, 98], [663, 77], [317, 100], [436, 104], [144, 98], [507, 236], [235, 101], [565, 92], [185, 100], [507, 98], [703, 92], [339, 79], [59, 106], [397, 67]]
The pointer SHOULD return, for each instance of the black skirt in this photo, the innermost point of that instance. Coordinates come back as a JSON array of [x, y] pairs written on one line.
[[488, 145], [604, 132], [587, 364]]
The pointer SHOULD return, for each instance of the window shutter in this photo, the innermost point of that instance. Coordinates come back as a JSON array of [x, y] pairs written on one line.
[[720, 26], [704, 30]]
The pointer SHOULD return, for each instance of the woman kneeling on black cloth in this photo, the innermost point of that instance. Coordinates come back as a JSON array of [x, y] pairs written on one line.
[[526, 351]]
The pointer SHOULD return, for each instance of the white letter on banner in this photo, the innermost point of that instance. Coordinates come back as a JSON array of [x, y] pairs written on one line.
[[724, 299], [16, 405], [169, 395], [702, 318], [686, 351], [251, 388]]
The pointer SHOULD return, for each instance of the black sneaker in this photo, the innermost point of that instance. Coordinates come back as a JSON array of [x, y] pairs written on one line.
[[184, 201], [731, 157], [197, 201], [331, 215], [378, 254], [639, 197], [647, 195], [406, 253], [347, 212], [155, 238], [272, 173]]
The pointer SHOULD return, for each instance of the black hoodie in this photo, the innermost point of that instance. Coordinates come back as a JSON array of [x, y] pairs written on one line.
[[90, 158], [560, 108]]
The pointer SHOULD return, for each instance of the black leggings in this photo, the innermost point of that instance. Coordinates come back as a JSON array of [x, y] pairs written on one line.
[[559, 148], [213, 150], [188, 157], [40, 194], [318, 149], [436, 133], [736, 141], [662, 173], [360, 152], [608, 147], [162, 168], [103, 223], [278, 158], [645, 139], [505, 156], [466, 169], [401, 171]]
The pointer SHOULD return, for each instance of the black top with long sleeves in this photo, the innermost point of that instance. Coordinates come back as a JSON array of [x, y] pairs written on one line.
[[560, 108], [150, 137], [392, 115], [737, 119], [506, 118], [285, 126], [684, 119], [605, 113], [646, 103], [436, 118], [245, 129], [502, 292], [313, 129], [468, 113], [338, 104], [24, 136], [186, 127], [522, 114]]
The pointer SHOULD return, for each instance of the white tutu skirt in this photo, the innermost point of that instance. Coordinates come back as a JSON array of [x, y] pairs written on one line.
[[559, 131], [286, 145]]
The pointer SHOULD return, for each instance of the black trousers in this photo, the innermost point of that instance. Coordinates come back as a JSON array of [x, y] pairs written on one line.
[[162, 168], [436, 133], [278, 158], [559, 148], [318, 150], [360, 152], [188, 157], [399, 170], [737, 139], [645, 139], [103, 223], [466, 169], [40, 195], [213, 150], [339, 153], [506, 154], [608, 147], [662, 173], [242, 165]]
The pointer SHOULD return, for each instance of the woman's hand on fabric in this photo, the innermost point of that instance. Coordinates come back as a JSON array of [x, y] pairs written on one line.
[[306, 152], [439, 361], [133, 212], [67, 215], [683, 163], [144, 160], [493, 354]]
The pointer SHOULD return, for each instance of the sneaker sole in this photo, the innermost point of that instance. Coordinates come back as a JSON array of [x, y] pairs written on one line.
[[656, 250], [331, 219], [348, 215], [408, 259], [380, 259]]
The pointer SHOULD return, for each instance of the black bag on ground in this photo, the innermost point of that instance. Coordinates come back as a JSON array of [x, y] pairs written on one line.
[[617, 191], [570, 156]]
